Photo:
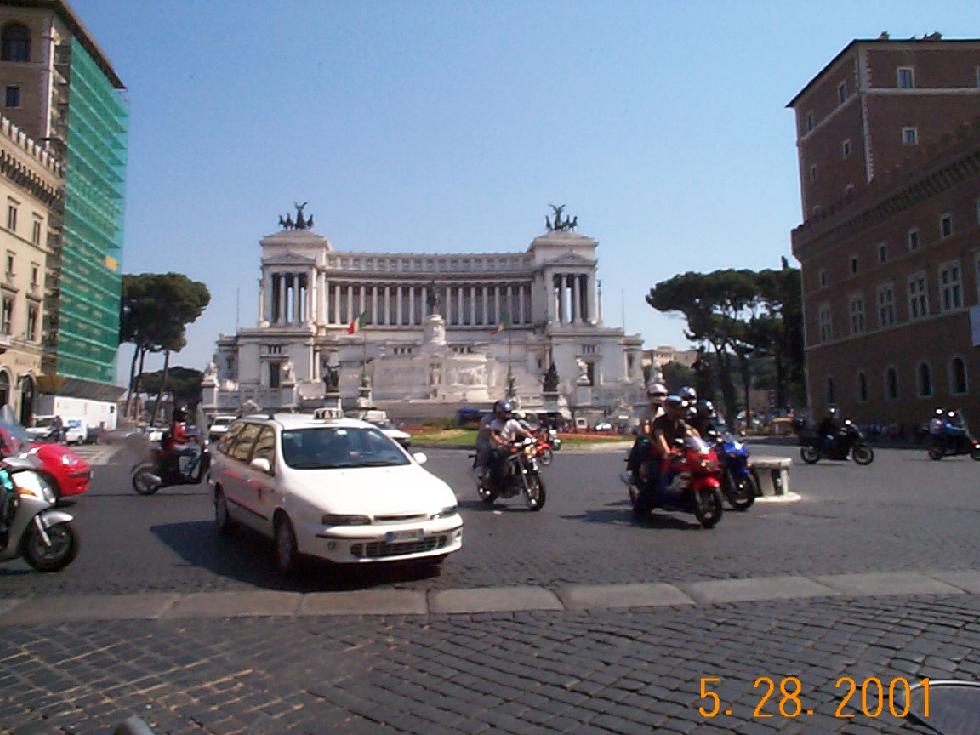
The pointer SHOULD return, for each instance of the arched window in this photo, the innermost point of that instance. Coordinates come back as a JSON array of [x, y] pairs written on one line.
[[831, 393], [957, 375], [16, 43], [891, 384], [925, 379], [862, 387]]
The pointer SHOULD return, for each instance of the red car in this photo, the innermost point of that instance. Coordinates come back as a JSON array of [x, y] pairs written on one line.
[[71, 474]]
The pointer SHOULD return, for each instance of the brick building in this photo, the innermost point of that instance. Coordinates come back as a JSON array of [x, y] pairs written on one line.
[[888, 135]]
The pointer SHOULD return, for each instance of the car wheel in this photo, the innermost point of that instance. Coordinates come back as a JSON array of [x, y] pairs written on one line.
[[221, 517], [287, 554]]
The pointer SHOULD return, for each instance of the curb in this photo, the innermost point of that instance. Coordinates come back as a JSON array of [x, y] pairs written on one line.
[[480, 600]]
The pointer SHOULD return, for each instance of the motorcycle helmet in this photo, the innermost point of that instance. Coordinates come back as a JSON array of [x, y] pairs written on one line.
[[675, 401], [657, 392], [939, 411], [687, 393], [706, 408], [832, 412], [502, 407], [180, 414]]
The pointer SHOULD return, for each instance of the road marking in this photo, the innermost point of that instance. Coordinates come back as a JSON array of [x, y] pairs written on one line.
[[467, 601]]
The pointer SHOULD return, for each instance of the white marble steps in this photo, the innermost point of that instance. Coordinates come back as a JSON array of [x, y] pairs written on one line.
[[271, 603]]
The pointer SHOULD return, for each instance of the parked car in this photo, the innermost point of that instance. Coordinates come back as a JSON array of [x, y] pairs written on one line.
[[69, 473], [337, 489], [603, 426], [75, 431], [219, 425]]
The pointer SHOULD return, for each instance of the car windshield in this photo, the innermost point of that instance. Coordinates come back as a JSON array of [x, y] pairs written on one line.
[[384, 424], [336, 447]]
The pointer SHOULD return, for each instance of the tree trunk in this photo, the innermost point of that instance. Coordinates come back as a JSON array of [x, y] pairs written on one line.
[[746, 386], [132, 378], [727, 385], [780, 380], [163, 387], [139, 381]]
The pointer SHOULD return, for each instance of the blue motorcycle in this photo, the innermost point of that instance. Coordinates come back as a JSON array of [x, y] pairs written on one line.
[[738, 483]]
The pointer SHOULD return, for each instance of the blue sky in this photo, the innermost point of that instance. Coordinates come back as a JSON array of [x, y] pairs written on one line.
[[450, 126]]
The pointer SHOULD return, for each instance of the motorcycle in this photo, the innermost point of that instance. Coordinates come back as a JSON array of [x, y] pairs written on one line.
[[542, 449], [156, 468], [849, 441], [738, 484], [519, 475], [950, 445], [692, 483], [43, 535]]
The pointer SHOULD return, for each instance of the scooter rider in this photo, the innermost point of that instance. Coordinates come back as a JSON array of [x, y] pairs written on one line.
[[937, 421], [177, 445], [667, 429]]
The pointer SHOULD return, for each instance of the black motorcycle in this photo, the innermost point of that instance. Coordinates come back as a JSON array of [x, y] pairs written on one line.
[[519, 474], [163, 469], [846, 443]]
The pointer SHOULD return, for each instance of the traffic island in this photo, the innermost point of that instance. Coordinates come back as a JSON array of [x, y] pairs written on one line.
[[772, 477]]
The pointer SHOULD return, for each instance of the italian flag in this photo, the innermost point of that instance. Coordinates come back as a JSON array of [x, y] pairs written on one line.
[[357, 323], [501, 326]]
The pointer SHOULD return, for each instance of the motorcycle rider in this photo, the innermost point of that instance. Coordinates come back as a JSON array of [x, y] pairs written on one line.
[[954, 428], [704, 418], [690, 396], [829, 427], [497, 431], [936, 422], [8, 495], [656, 394], [666, 430]]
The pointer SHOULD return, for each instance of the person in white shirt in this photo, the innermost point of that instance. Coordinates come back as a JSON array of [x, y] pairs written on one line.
[[495, 436]]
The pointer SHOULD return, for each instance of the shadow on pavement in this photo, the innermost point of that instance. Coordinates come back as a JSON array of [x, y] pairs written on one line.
[[658, 519], [248, 557]]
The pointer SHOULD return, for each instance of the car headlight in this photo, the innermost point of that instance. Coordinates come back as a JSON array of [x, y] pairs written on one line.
[[69, 459], [334, 519], [447, 512]]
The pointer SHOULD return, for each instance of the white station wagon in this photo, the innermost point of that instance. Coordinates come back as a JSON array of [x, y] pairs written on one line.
[[337, 489]]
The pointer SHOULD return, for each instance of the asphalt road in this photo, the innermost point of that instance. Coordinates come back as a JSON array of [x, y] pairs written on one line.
[[902, 513]]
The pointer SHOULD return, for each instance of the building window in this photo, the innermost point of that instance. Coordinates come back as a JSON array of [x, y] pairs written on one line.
[[946, 225], [12, 217], [882, 253], [862, 387], [913, 239], [918, 296], [957, 376], [831, 392], [13, 96], [826, 327], [891, 384], [950, 291], [910, 136], [32, 322], [16, 43], [886, 305], [813, 172], [811, 120], [845, 148], [854, 264], [36, 232], [35, 274], [7, 314], [924, 374], [857, 314], [906, 77], [275, 372], [10, 264], [822, 277], [842, 93]]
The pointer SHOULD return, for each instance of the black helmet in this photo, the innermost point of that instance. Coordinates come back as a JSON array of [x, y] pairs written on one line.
[[939, 411], [503, 406], [687, 393], [706, 408], [180, 413], [674, 401]]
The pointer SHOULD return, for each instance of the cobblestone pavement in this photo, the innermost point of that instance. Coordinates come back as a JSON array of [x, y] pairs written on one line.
[[624, 672]]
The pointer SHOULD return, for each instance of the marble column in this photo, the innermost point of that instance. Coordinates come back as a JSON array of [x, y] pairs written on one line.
[[486, 306], [560, 291], [374, 305], [398, 308], [520, 304], [496, 305], [576, 299], [336, 303], [350, 303], [510, 304], [473, 305], [262, 299], [362, 306], [424, 302], [388, 306], [411, 305]]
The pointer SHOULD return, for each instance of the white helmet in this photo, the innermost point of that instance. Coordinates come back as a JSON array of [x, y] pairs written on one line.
[[657, 393]]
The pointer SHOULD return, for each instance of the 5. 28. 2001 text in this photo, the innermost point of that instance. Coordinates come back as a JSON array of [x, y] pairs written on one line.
[[871, 697]]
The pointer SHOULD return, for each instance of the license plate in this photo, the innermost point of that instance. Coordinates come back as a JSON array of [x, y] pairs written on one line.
[[416, 534]]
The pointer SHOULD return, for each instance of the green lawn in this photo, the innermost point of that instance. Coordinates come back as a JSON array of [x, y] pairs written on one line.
[[466, 438]]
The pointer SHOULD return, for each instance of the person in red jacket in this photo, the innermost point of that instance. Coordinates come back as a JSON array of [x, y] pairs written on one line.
[[176, 444]]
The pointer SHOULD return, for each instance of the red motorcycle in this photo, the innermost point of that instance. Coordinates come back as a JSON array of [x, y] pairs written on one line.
[[542, 448], [692, 483]]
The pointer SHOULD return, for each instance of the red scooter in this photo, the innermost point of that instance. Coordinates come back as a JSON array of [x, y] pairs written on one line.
[[692, 483]]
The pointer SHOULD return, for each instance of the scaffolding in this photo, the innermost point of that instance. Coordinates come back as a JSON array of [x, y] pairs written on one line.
[[90, 281]]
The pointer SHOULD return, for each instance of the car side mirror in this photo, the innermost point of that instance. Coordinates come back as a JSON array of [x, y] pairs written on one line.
[[420, 457], [262, 465]]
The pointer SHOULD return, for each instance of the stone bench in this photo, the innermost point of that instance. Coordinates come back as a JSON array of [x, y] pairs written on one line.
[[772, 474]]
